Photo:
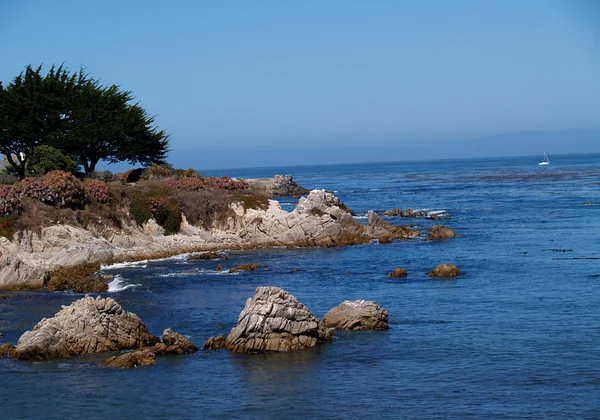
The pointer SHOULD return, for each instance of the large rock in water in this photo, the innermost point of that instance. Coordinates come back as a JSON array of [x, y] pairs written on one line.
[[131, 359], [445, 270], [88, 325], [272, 321], [440, 232], [357, 315], [382, 230], [174, 343]]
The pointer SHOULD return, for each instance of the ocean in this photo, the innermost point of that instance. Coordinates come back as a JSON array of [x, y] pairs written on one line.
[[517, 336]]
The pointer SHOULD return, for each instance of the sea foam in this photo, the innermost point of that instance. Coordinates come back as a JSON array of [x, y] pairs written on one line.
[[118, 285]]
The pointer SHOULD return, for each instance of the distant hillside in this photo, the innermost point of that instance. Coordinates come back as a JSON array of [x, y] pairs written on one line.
[[526, 143]]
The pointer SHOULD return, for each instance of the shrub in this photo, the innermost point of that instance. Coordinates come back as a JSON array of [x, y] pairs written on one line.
[[106, 176], [10, 200], [185, 184], [167, 213], [158, 172], [37, 189], [99, 190], [7, 227], [69, 189], [228, 183], [157, 205], [44, 159]]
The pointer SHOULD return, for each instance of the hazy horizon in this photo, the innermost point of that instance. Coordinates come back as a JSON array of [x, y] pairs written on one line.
[[269, 83]]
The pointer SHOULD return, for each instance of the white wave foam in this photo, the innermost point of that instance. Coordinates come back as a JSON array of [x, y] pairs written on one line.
[[436, 212], [117, 266], [118, 285], [361, 217]]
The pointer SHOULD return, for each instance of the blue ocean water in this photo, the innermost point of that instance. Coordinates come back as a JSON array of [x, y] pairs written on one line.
[[517, 336]]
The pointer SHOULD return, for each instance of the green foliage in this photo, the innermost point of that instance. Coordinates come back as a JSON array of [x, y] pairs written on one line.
[[158, 205], [158, 172], [104, 176], [44, 159], [76, 114]]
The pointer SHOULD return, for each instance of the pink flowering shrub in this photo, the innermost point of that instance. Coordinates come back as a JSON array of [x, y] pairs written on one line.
[[227, 183], [10, 200], [184, 184], [37, 189], [70, 190], [99, 190]]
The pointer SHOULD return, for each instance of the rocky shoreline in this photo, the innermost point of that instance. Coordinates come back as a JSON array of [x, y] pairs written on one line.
[[36, 259]]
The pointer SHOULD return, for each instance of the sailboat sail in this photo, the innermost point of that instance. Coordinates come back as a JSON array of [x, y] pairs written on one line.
[[546, 161]]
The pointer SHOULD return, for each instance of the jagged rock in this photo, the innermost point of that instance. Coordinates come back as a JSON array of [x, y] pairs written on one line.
[[440, 232], [7, 350], [405, 213], [78, 279], [215, 343], [357, 315], [273, 321], [244, 267], [219, 268], [382, 230], [88, 325], [174, 343], [131, 359], [279, 185], [445, 270], [398, 272], [210, 255]]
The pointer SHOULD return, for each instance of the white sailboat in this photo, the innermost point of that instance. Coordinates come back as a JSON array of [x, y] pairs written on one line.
[[546, 161]]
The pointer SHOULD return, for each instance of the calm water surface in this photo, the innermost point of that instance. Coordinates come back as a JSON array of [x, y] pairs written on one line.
[[518, 336]]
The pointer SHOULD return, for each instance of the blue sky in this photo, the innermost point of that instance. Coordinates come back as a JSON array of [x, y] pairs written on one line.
[[263, 83]]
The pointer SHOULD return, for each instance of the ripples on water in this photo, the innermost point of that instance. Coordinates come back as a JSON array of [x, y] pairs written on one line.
[[518, 336]]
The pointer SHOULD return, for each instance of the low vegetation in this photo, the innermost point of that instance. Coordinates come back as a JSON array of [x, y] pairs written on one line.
[[105, 199]]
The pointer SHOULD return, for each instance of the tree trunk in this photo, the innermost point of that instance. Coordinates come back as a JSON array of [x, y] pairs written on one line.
[[20, 168]]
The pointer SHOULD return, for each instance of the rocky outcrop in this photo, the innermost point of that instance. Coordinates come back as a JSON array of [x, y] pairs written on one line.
[[244, 267], [440, 232], [88, 325], [274, 321], [384, 231], [210, 255], [131, 359], [398, 272], [215, 343], [174, 343], [319, 219], [404, 213], [7, 350], [278, 186], [78, 279], [445, 270], [357, 315]]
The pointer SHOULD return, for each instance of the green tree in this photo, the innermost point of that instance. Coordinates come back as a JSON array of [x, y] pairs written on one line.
[[44, 159], [76, 114], [32, 112]]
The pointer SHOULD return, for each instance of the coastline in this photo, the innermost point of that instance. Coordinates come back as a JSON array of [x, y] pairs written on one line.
[[319, 220]]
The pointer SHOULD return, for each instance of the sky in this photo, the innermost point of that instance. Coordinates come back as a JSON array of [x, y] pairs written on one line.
[[267, 83]]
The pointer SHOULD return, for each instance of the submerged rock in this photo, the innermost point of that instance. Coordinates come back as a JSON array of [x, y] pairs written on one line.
[[445, 270], [398, 272], [174, 343], [244, 267], [405, 213], [210, 255], [7, 350], [357, 315], [440, 232], [88, 325], [274, 321], [215, 343], [131, 359]]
